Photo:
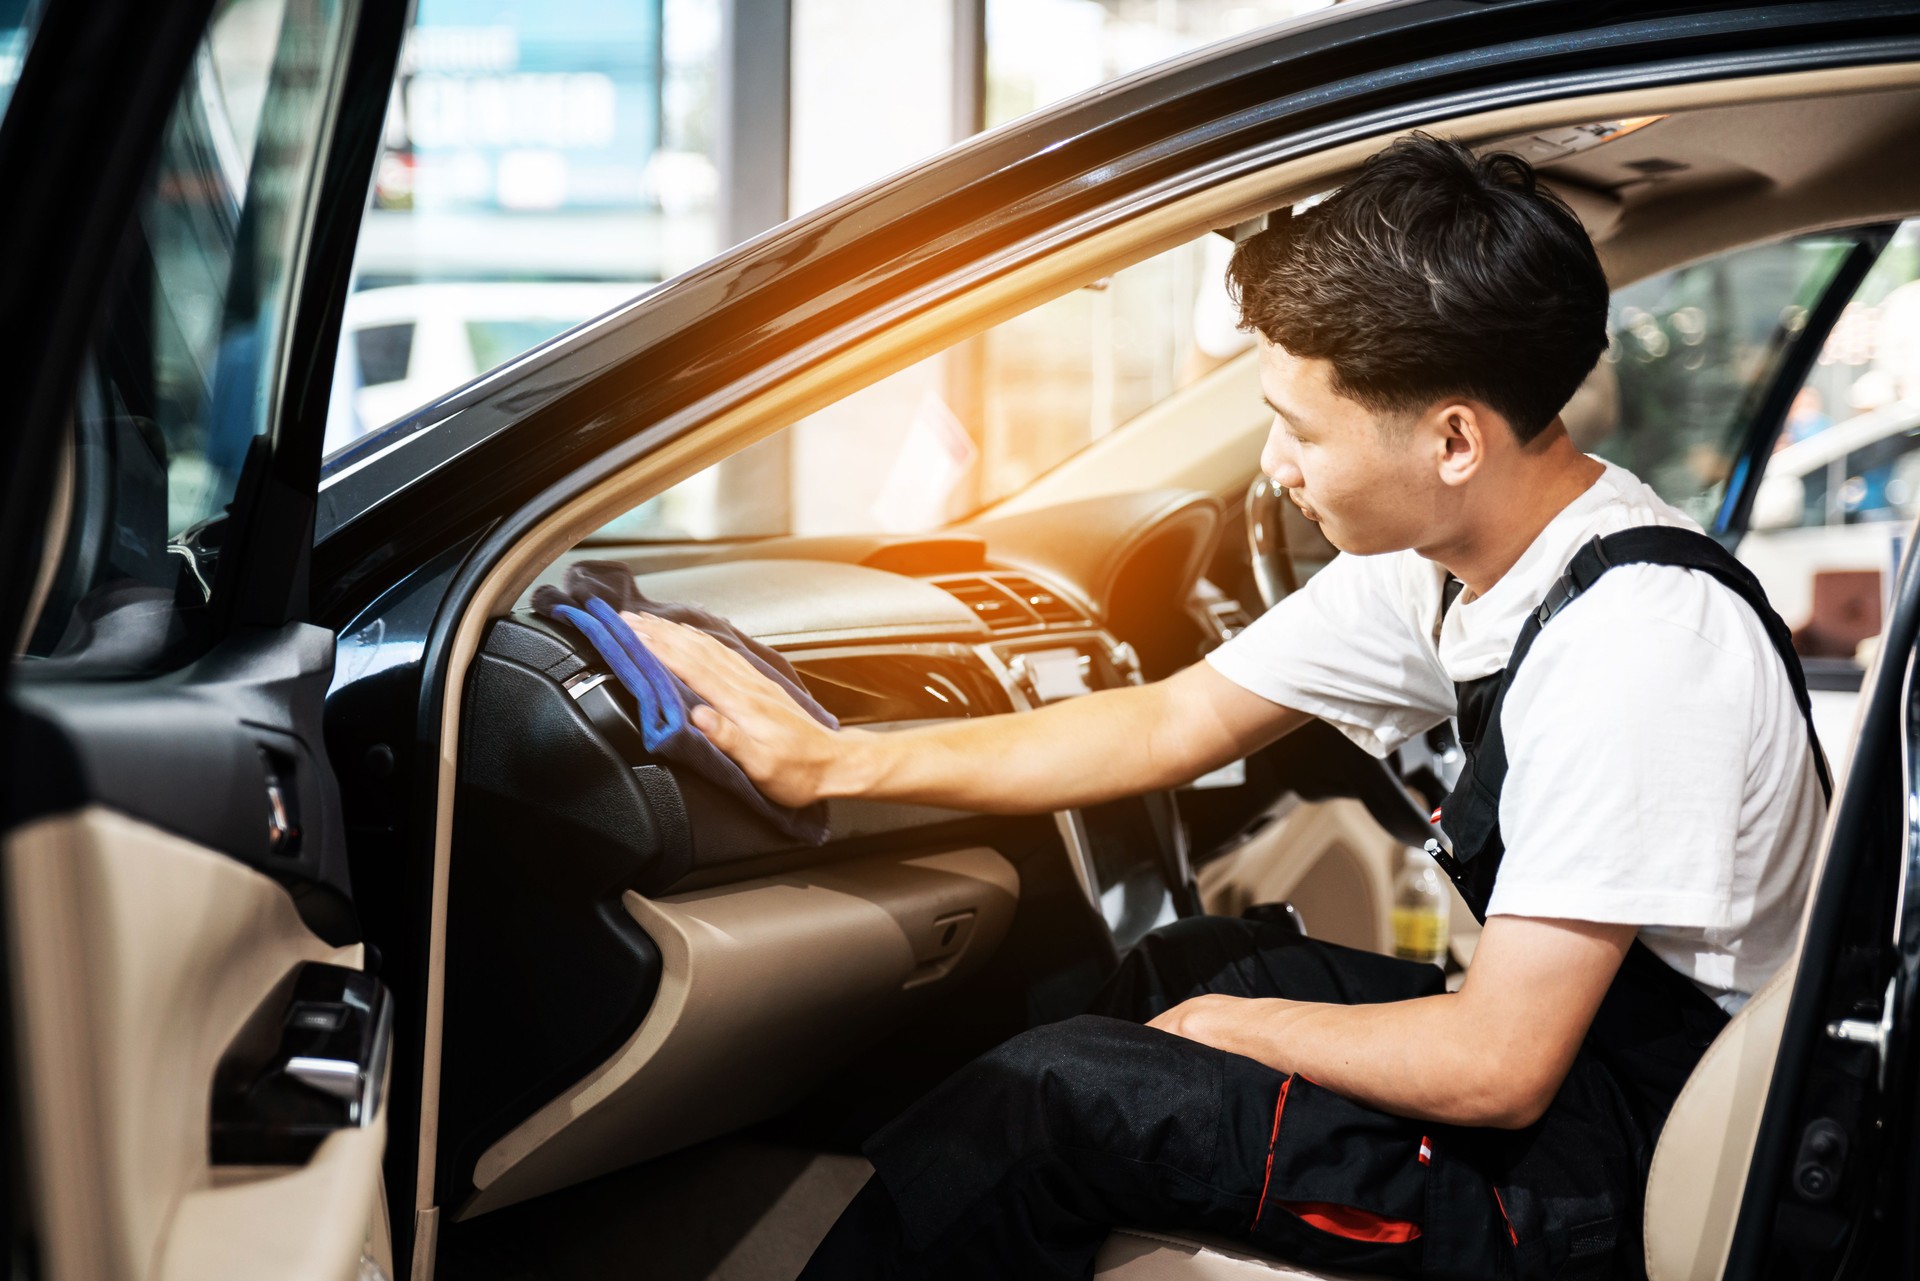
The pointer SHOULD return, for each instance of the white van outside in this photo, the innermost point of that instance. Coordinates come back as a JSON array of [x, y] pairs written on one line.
[[1838, 500], [402, 346]]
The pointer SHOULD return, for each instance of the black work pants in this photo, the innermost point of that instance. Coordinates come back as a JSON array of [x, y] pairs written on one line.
[[1020, 1163]]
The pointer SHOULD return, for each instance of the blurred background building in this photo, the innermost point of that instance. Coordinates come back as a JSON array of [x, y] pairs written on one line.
[[546, 163]]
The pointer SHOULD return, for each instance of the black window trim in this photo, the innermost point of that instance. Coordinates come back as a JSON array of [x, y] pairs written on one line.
[[1769, 417]]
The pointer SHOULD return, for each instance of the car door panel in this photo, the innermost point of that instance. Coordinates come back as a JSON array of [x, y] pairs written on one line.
[[322, 1221], [223, 753], [174, 852], [1847, 1021], [138, 956]]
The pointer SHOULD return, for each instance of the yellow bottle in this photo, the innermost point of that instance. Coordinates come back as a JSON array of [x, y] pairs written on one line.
[[1420, 911]]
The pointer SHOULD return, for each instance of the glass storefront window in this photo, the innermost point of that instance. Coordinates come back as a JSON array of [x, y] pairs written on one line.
[[1040, 51], [543, 165]]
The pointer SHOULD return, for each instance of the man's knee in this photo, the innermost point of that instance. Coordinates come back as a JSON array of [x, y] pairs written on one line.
[[1041, 1056], [1108, 1085]]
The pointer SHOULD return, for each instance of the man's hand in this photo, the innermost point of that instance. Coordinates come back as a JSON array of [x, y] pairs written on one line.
[[791, 757], [1077, 752], [1492, 1054], [1215, 1019]]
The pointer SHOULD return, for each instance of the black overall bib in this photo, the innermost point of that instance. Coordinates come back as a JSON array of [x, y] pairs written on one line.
[[1020, 1163], [1653, 1024]]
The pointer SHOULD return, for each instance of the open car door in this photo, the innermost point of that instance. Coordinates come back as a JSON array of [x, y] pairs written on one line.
[[198, 1041]]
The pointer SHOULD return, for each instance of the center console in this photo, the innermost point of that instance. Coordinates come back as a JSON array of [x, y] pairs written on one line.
[[1130, 854]]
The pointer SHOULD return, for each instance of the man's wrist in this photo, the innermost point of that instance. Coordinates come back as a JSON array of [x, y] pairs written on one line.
[[1241, 1025], [854, 766]]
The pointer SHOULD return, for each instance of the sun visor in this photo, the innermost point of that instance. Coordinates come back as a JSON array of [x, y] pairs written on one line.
[[1598, 212]]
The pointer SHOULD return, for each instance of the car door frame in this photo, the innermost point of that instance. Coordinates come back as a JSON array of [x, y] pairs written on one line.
[[1847, 1053]]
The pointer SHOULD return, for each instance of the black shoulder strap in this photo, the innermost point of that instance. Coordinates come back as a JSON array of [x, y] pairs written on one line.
[[1658, 545]]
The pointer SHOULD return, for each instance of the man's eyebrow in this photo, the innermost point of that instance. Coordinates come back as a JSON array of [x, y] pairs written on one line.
[[1293, 420]]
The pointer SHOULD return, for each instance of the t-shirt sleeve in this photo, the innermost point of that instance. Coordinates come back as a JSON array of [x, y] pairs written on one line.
[[1628, 738], [1347, 648]]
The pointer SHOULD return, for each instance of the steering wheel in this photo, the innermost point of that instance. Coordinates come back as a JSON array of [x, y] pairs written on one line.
[[1422, 768], [1274, 576]]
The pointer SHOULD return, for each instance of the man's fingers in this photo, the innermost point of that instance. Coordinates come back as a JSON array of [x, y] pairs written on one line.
[[678, 648], [720, 731], [712, 670], [721, 655], [746, 714]]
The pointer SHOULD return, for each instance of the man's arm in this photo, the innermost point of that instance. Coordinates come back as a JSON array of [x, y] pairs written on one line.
[[1084, 750], [1492, 1054]]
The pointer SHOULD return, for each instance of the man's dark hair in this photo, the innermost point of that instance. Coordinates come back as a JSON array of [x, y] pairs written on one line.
[[1434, 273]]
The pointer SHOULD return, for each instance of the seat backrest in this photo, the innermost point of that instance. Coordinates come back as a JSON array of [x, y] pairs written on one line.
[[1700, 1163]]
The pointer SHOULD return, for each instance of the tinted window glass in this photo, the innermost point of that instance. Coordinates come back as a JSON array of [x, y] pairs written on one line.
[[182, 376], [543, 163], [18, 19], [1689, 352]]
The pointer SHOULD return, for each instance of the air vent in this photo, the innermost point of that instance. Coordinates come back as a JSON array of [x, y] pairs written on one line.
[[994, 606], [1054, 610]]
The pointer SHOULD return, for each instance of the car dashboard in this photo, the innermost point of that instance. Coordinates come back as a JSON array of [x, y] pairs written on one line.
[[882, 652]]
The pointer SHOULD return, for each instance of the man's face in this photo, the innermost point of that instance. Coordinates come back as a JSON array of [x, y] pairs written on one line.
[[1369, 484]]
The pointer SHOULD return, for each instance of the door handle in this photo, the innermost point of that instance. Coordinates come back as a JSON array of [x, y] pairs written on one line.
[[283, 809], [1877, 1033], [311, 1061]]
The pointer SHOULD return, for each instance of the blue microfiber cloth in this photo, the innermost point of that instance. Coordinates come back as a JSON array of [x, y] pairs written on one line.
[[590, 599]]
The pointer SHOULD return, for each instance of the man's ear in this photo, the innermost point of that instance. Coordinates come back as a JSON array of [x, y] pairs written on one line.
[[1458, 432]]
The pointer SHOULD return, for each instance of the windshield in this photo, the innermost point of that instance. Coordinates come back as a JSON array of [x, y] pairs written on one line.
[[974, 424], [1672, 399]]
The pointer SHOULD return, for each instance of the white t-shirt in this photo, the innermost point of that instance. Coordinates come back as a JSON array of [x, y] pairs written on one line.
[[1658, 770]]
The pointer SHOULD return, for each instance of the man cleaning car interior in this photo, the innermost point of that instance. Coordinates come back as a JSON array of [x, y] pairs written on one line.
[[1635, 822]]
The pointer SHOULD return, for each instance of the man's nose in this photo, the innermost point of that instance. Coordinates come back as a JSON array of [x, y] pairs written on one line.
[[1277, 459]]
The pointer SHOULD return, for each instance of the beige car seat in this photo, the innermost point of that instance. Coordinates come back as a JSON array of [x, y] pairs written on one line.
[[1693, 1190]]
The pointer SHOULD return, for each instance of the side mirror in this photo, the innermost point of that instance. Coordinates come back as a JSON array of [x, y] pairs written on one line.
[[1272, 563]]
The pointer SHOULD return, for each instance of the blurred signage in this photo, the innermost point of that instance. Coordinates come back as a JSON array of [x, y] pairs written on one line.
[[522, 106]]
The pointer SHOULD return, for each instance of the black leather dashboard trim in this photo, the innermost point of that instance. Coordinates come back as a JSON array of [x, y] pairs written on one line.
[[550, 828]]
